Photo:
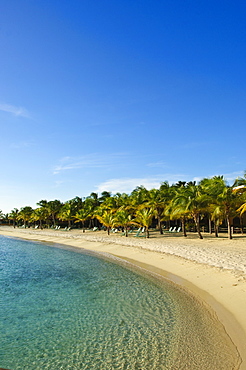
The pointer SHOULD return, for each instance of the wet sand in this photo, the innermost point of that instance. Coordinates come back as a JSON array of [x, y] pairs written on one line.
[[213, 269]]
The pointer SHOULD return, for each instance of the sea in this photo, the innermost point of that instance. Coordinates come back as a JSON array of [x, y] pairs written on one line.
[[66, 308]]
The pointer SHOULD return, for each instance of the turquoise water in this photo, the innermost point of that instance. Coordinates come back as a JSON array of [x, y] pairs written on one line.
[[61, 309]]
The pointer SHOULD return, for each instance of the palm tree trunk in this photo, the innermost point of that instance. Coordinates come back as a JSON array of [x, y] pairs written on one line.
[[147, 232], [197, 222], [159, 224], [183, 226], [229, 227], [53, 218], [241, 224], [209, 224], [216, 230]]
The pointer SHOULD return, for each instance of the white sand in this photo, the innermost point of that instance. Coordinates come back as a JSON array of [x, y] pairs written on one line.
[[213, 269]]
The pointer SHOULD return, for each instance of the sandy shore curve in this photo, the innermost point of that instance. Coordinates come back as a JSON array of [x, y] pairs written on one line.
[[213, 269]]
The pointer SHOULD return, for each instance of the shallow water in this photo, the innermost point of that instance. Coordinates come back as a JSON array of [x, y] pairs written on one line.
[[63, 309]]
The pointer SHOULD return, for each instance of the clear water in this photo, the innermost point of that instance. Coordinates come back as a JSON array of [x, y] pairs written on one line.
[[61, 309]]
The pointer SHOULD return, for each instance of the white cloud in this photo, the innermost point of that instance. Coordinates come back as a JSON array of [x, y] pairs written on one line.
[[126, 185], [21, 145], [194, 145], [93, 160], [16, 111], [157, 164], [231, 177]]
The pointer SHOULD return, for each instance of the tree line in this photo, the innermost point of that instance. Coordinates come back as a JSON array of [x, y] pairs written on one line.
[[210, 203]]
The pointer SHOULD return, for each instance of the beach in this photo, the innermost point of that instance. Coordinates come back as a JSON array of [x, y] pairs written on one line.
[[212, 269]]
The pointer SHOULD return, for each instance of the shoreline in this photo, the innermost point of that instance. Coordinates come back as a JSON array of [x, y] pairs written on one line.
[[213, 270]]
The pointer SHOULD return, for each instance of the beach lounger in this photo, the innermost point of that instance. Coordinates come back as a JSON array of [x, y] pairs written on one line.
[[176, 231], [140, 231], [169, 231]]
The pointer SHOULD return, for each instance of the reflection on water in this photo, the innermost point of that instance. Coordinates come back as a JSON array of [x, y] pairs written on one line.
[[69, 310]]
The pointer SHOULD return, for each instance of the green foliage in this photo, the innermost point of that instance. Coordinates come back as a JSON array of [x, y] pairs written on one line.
[[211, 197]]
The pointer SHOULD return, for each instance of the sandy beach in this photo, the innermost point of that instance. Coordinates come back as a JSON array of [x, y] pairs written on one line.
[[212, 269]]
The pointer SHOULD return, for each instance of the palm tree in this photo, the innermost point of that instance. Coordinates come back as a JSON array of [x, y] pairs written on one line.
[[156, 202], [14, 216], [139, 196], [1, 215], [144, 217], [227, 202], [242, 208], [110, 203], [240, 191], [212, 187], [66, 213], [25, 214], [191, 199], [92, 202], [54, 206], [239, 188], [174, 212], [240, 181], [83, 215], [76, 203], [104, 195], [108, 219], [124, 219], [40, 214]]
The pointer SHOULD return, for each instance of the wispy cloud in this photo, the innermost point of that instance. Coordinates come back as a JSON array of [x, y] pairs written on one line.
[[159, 164], [16, 111], [93, 160], [194, 145], [231, 177], [58, 184], [22, 145], [126, 185]]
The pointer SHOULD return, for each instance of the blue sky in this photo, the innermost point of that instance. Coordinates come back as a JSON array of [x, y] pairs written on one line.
[[108, 95]]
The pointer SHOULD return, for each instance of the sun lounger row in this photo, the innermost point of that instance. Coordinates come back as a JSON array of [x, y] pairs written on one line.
[[173, 230]]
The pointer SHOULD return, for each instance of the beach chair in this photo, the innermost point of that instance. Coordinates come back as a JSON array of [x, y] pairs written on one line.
[[140, 231], [169, 231], [176, 231]]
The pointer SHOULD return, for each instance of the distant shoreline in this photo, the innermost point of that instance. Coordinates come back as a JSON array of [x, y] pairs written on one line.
[[212, 269]]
